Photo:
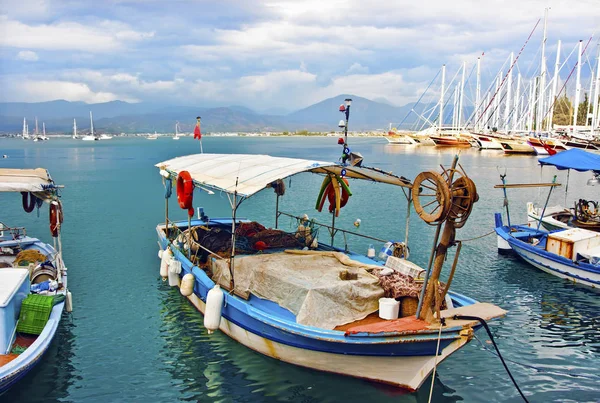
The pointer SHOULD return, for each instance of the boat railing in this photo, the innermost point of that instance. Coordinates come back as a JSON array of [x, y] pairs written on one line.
[[172, 226], [15, 232], [333, 230]]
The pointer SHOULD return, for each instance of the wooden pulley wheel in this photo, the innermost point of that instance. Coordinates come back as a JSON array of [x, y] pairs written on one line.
[[463, 194], [431, 196]]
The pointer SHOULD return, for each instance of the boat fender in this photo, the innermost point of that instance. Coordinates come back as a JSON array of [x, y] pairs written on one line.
[[174, 270], [56, 218], [187, 285], [164, 263], [185, 191], [160, 253], [29, 200], [69, 302], [214, 305]]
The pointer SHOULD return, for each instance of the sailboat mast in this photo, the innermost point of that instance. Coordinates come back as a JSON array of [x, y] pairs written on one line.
[[595, 112], [542, 83], [74, 128], [91, 124], [508, 93], [442, 97], [531, 105], [24, 127], [478, 94], [462, 95], [36, 126], [554, 87], [517, 116], [497, 100], [44, 129], [577, 86]]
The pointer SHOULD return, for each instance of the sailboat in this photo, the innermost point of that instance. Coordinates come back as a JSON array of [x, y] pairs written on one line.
[[176, 137], [90, 137], [43, 136], [75, 136], [36, 134], [25, 130]]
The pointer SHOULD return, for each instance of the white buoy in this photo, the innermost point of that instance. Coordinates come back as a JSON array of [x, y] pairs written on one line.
[[165, 259], [69, 302], [214, 305], [174, 271], [187, 285]]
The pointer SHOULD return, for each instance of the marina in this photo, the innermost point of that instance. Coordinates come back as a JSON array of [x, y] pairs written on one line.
[[548, 336]]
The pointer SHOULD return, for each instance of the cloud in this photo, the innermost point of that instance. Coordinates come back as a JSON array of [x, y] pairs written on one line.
[[106, 36], [357, 68], [48, 90], [27, 55]]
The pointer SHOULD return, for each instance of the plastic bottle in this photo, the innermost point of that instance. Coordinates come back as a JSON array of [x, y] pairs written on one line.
[[371, 251]]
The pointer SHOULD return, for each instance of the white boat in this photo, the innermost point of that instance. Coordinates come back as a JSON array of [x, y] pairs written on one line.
[[152, 136], [75, 136], [33, 279], [176, 137], [105, 137], [90, 137], [43, 137]]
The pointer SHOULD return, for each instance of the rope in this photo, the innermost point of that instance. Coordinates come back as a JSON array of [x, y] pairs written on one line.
[[577, 375], [487, 329], [478, 237], [435, 363]]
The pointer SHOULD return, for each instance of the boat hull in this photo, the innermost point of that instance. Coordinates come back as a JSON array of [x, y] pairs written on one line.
[[16, 369], [450, 141]]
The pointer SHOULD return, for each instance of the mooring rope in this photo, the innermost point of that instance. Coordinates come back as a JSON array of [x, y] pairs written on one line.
[[478, 237], [538, 369], [437, 349], [489, 332]]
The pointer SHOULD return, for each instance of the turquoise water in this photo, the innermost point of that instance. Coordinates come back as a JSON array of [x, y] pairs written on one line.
[[132, 338]]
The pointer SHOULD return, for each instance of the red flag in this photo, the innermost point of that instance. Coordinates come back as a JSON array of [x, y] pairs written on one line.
[[549, 150], [197, 133]]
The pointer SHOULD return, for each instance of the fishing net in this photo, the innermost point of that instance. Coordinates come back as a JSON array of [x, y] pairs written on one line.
[[25, 257]]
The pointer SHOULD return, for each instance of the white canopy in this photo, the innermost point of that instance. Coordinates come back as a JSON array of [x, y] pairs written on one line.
[[254, 172], [24, 180]]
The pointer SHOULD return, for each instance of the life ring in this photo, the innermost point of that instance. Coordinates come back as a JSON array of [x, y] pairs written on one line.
[[28, 200], [185, 190], [56, 218]]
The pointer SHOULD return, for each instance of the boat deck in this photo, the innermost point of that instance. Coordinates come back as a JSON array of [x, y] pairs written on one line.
[[22, 341]]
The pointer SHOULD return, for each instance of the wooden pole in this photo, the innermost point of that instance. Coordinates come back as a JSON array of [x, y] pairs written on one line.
[[440, 256]]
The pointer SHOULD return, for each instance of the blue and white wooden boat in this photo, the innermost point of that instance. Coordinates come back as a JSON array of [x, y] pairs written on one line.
[[572, 254], [27, 264], [401, 352]]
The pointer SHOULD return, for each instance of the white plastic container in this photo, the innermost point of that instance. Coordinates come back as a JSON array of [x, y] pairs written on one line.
[[388, 308], [371, 251]]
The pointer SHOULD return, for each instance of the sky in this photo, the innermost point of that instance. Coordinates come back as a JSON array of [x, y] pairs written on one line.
[[273, 55]]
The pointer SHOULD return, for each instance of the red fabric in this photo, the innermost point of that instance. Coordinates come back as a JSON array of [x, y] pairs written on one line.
[[548, 149], [197, 133]]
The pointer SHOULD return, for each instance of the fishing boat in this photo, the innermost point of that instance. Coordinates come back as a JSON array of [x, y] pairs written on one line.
[[293, 297], [584, 213], [91, 136], [33, 278]]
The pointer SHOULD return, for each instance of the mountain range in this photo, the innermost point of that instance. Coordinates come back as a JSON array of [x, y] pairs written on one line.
[[123, 117]]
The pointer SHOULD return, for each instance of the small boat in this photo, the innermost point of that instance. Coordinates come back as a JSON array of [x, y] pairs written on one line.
[[105, 137], [299, 299], [152, 136], [33, 278], [176, 136], [584, 213], [516, 146], [91, 136]]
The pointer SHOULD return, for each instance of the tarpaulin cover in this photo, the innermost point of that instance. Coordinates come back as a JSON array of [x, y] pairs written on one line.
[[574, 158], [306, 283]]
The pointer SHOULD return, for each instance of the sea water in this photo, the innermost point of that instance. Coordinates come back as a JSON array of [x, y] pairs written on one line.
[[133, 338]]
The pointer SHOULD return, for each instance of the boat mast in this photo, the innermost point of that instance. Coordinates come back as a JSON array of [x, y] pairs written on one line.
[[74, 129], [462, 96], [455, 108], [542, 83], [478, 94], [36, 127], [91, 125], [517, 99], [486, 116], [554, 87], [508, 93], [577, 86], [44, 129], [442, 98], [497, 100], [595, 112], [531, 106], [25, 135]]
